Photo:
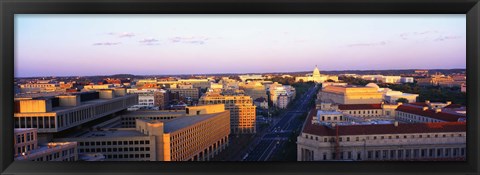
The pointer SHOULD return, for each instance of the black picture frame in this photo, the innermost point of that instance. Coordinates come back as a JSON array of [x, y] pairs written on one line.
[[8, 8]]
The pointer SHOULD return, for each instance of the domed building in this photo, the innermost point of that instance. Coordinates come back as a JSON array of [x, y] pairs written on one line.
[[316, 77], [372, 85]]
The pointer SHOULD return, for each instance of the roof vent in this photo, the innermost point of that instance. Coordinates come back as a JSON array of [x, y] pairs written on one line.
[[395, 123]]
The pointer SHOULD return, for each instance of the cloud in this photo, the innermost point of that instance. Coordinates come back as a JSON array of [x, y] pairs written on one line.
[[190, 40], [443, 38], [149, 41], [126, 34], [382, 43], [106, 43], [414, 35], [122, 34]]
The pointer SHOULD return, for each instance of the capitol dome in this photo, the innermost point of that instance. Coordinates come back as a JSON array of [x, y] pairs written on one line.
[[372, 85]]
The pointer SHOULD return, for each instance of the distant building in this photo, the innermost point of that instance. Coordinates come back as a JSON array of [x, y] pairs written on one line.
[[146, 97], [421, 73], [37, 87], [261, 103], [407, 80], [254, 89], [161, 99], [27, 148], [244, 78], [186, 91], [282, 101], [316, 77]]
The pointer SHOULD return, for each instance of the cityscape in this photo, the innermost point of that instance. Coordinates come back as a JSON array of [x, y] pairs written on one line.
[[305, 93]]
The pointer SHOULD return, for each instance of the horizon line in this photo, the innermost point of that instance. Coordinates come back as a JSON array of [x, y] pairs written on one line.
[[245, 73]]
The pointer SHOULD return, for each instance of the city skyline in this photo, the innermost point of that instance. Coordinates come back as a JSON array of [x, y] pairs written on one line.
[[209, 44]]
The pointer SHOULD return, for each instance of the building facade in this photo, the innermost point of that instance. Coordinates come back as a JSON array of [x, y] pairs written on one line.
[[55, 114], [382, 142], [350, 95], [242, 111]]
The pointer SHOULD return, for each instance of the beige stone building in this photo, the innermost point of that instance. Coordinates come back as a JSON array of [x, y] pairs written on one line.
[[380, 142], [350, 95], [200, 134], [242, 111], [58, 113]]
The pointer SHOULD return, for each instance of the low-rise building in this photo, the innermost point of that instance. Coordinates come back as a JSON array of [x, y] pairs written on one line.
[[199, 135], [27, 148], [58, 113], [350, 94]]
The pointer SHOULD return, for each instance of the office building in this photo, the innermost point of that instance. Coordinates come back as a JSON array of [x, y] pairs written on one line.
[[200, 134], [58, 113], [242, 111]]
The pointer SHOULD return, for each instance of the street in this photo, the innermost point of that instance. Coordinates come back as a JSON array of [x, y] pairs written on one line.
[[274, 138]]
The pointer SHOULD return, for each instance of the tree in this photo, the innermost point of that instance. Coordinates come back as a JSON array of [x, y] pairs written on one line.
[[402, 100]]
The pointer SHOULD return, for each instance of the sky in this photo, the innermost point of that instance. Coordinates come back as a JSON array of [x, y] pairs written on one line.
[[85, 45]]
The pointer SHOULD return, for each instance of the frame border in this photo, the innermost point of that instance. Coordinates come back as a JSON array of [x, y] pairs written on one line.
[[10, 7]]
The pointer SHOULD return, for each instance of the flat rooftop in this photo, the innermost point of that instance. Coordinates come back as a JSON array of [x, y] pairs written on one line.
[[182, 122], [87, 103], [323, 112], [155, 113], [112, 133]]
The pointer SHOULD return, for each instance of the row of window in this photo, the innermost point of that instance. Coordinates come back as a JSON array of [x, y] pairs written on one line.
[[41, 122], [396, 154], [411, 117], [25, 137], [413, 136], [104, 150], [102, 143], [126, 156]]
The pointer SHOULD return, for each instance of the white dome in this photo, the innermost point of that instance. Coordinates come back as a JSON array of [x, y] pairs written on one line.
[[372, 85]]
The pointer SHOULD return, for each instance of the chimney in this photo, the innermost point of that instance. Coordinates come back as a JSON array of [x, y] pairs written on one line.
[[427, 101], [425, 108], [334, 125], [449, 102], [438, 110], [395, 123]]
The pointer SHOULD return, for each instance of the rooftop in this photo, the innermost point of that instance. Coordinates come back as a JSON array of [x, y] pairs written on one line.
[[131, 132], [359, 106], [182, 122], [402, 128], [155, 113], [448, 117], [324, 112]]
